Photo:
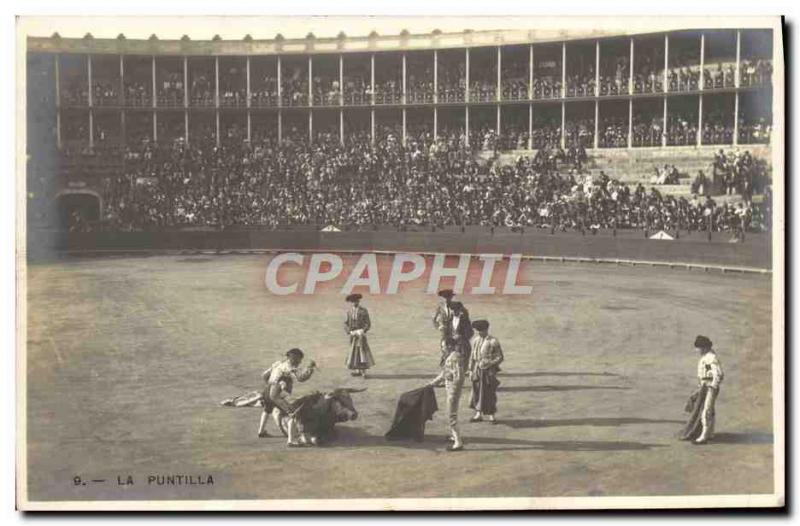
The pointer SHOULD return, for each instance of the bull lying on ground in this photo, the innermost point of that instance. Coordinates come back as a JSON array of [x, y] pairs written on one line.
[[318, 413]]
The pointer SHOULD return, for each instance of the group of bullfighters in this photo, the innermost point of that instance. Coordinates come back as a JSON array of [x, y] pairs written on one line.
[[467, 351]]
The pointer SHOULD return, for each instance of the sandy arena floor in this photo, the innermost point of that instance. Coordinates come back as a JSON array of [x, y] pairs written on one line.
[[128, 359]]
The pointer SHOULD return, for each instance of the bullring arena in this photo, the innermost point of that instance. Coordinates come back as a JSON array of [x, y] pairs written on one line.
[[129, 358], [164, 175]]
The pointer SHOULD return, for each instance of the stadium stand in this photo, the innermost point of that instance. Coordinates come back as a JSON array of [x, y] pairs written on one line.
[[622, 132]]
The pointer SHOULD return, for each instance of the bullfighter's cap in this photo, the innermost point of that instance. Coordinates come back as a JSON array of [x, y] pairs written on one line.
[[295, 352], [701, 342], [446, 293], [457, 305], [353, 297], [480, 325]]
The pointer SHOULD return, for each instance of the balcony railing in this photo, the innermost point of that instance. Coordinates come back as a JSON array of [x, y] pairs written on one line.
[[583, 89], [450, 95], [613, 138], [482, 94], [419, 97], [682, 136], [106, 99], [171, 100], [294, 99], [754, 134], [612, 87], [200, 100], [357, 98], [330, 98], [718, 135], [515, 92], [388, 97], [757, 73], [646, 136], [264, 100], [683, 80], [233, 99], [547, 90], [715, 78], [653, 83]]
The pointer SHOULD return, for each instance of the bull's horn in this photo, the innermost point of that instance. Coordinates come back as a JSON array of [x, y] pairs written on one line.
[[354, 390]]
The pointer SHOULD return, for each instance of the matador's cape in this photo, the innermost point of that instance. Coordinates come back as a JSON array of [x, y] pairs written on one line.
[[414, 409]]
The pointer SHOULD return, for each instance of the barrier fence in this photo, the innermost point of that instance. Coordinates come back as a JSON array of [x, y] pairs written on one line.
[[724, 249]]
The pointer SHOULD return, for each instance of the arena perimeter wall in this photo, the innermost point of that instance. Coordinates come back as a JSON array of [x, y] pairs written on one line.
[[754, 253]]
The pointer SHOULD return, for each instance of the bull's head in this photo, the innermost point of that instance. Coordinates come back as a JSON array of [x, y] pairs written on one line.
[[342, 403]]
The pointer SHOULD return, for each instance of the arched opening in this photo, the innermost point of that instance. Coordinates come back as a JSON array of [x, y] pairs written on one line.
[[78, 210]]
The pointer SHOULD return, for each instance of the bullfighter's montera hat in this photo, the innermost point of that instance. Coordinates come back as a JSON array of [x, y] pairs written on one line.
[[353, 297], [295, 352], [480, 325], [446, 293], [701, 342]]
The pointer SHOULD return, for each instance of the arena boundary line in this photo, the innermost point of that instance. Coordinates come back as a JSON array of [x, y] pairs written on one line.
[[724, 269]]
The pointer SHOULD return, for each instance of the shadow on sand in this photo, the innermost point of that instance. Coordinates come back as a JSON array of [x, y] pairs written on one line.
[[742, 438], [558, 388], [611, 422], [553, 373], [428, 376], [412, 376], [347, 437]]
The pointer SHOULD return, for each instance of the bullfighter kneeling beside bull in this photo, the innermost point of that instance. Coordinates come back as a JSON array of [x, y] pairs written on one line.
[[280, 378]]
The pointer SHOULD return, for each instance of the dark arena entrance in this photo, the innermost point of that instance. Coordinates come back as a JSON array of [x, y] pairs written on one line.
[[77, 210]]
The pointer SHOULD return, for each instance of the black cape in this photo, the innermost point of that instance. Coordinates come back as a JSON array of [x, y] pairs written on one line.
[[694, 406], [414, 409]]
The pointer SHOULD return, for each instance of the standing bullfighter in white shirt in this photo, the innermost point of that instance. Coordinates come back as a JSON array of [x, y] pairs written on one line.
[[700, 426]]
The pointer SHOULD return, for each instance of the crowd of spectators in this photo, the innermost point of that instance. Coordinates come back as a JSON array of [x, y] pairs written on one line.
[[613, 133], [170, 90], [739, 172], [356, 89], [137, 94], [515, 81], [647, 130], [429, 183], [232, 94], [754, 130], [719, 76], [686, 78], [755, 72], [648, 77], [581, 84], [614, 76], [682, 129], [451, 84], [326, 91], [294, 90], [389, 91], [105, 93], [264, 92], [546, 87]]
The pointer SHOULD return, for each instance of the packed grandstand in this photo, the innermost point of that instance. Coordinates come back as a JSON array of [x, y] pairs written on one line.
[[492, 135]]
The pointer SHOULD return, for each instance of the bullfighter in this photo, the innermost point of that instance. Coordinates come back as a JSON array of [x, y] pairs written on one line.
[[356, 325], [484, 364]]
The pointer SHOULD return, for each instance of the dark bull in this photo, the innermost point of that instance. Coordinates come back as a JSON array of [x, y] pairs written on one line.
[[318, 413]]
